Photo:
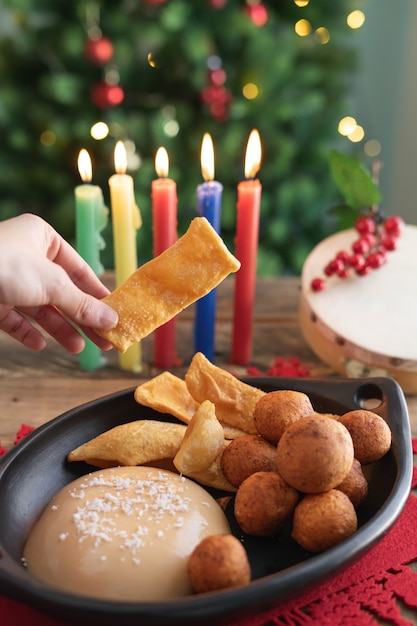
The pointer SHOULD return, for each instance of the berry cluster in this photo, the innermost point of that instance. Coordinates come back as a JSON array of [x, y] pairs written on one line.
[[368, 252]]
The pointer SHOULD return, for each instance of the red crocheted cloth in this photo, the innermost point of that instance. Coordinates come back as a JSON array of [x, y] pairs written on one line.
[[369, 593]]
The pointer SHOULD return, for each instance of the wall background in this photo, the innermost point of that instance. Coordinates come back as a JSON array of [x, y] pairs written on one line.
[[385, 98]]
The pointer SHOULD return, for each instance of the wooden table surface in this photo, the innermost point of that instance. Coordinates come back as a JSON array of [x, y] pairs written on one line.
[[38, 386]]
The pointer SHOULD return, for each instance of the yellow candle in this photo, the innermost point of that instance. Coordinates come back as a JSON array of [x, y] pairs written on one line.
[[126, 220]]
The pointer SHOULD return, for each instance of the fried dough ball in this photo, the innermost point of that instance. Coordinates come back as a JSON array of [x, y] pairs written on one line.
[[323, 520], [370, 433], [264, 503], [315, 454], [218, 562], [276, 410], [246, 455], [355, 485]]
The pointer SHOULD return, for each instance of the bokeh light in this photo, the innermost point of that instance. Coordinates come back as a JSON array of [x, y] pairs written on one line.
[[355, 19], [250, 91], [99, 131], [347, 125], [303, 28], [322, 35], [357, 134], [48, 138], [372, 148]]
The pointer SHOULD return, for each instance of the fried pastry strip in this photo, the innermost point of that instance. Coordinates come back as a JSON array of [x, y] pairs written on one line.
[[234, 400], [167, 393], [158, 290], [134, 443]]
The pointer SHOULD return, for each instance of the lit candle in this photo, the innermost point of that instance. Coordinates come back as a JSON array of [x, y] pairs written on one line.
[[246, 249], [90, 218], [126, 220], [164, 220], [209, 197]]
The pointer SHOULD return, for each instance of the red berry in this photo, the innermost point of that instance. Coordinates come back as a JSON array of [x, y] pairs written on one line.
[[318, 284], [393, 225], [343, 273], [376, 259], [365, 225], [343, 256], [389, 242], [333, 267], [356, 261], [363, 271], [360, 246], [370, 239]]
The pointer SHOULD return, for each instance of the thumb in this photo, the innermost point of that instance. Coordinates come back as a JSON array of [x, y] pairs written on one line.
[[81, 308]]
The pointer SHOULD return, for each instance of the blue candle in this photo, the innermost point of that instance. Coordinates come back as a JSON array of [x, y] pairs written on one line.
[[209, 198]]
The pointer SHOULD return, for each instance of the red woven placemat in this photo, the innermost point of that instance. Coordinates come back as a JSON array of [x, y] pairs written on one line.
[[364, 595]]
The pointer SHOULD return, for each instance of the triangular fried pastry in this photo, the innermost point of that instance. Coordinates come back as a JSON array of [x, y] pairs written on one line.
[[234, 400], [167, 393], [134, 443]]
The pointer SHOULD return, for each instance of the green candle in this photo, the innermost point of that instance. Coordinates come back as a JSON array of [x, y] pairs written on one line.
[[90, 219]]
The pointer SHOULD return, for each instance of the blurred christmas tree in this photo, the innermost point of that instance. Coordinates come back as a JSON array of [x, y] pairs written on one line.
[[163, 72]]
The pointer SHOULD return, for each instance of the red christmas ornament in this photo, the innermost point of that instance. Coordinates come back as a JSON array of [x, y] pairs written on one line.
[[215, 95], [105, 96], [98, 51], [258, 13], [218, 99]]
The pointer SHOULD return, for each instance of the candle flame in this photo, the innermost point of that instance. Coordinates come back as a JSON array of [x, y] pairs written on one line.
[[84, 166], [253, 155], [207, 157], [120, 158], [162, 162]]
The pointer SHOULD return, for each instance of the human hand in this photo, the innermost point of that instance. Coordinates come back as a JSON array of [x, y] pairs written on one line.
[[44, 280]]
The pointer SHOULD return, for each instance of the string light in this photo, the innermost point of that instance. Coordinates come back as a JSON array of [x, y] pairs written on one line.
[[171, 128], [99, 131], [355, 19], [48, 138], [250, 91], [372, 148], [347, 125], [301, 3], [357, 134], [302, 28], [322, 35]]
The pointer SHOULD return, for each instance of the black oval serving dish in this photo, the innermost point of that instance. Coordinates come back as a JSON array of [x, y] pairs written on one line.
[[33, 471]]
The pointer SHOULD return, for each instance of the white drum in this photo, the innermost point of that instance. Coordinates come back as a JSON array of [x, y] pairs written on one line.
[[364, 325]]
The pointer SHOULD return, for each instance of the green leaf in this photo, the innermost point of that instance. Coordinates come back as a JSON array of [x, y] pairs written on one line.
[[344, 214], [353, 181]]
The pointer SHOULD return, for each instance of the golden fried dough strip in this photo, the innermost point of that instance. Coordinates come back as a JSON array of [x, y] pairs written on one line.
[[135, 443], [158, 290], [234, 400], [213, 475], [202, 443], [167, 393]]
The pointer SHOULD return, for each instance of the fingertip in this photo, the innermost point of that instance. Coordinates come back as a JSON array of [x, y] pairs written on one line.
[[108, 318]]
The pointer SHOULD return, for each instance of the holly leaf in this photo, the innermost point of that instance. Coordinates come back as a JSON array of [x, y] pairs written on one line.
[[345, 215], [353, 181]]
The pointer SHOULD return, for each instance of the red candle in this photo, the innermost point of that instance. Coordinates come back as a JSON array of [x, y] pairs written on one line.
[[164, 219], [246, 249]]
